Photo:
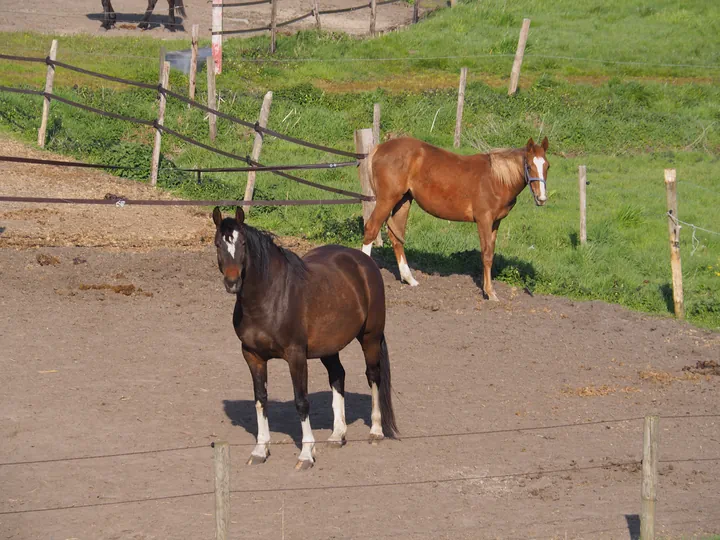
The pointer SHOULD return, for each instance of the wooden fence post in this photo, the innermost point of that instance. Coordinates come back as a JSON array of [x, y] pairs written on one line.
[[221, 461], [416, 11], [163, 54], [364, 145], [273, 25], [453, 3], [165, 83], [316, 12], [460, 106], [212, 103], [376, 124], [582, 183], [651, 434], [517, 63], [257, 146], [674, 231], [49, 78], [217, 39], [373, 16], [193, 60]]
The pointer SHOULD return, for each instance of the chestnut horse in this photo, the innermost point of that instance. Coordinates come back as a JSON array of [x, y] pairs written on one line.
[[109, 16], [293, 308], [482, 188]]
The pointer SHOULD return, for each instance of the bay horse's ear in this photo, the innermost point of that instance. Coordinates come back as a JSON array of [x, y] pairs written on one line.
[[240, 215], [530, 144], [217, 216], [545, 144]]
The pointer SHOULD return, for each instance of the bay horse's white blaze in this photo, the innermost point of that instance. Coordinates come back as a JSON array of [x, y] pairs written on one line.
[[376, 428], [540, 166], [231, 243], [308, 442], [263, 438], [339, 425], [405, 273], [367, 249]]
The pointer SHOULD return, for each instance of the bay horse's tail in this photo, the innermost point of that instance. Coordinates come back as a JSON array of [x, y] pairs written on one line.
[[390, 223], [180, 7], [387, 414]]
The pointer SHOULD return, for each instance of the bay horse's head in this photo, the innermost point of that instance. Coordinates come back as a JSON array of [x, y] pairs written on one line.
[[536, 168], [230, 244]]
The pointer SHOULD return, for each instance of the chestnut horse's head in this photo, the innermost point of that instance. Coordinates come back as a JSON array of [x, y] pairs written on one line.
[[536, 169], [230, 244]]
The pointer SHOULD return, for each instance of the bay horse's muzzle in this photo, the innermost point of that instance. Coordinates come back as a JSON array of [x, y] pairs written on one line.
[[232, 278]]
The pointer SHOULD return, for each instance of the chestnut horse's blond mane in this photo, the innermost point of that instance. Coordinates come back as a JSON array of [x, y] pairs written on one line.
[[506, 165]]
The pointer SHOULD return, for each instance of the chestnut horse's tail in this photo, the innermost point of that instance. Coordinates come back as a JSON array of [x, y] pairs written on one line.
[[387, 414], [390, 223], [180, 7]]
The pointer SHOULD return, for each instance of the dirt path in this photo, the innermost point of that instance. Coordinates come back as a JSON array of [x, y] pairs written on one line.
[[106, 350]]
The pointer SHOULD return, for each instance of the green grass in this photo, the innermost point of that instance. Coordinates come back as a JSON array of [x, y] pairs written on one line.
[[625, 122]]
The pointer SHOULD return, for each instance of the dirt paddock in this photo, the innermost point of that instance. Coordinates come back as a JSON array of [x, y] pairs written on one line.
[[116, 342]]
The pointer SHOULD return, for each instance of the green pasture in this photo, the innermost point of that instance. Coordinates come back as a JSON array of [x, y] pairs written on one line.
[[624, 112]]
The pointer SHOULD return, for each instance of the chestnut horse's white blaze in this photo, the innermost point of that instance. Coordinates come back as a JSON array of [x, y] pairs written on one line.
[[540, 166]]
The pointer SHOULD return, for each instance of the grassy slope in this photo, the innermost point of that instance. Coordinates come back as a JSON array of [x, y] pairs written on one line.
[[625, 129]]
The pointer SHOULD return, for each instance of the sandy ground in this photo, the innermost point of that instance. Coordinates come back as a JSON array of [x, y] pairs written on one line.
[[519, 420], [60, 17]]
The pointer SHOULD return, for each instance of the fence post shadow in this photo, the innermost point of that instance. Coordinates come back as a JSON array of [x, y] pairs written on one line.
[[633, 525]]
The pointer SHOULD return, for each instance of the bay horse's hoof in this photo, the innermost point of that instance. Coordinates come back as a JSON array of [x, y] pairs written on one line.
[[337, 444], [304, 465], [256, 460]]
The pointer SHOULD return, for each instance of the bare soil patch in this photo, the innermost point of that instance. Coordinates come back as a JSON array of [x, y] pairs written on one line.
[[491, 444]]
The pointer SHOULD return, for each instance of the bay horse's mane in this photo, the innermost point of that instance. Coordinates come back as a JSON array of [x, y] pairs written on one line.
[[507, 165], [260, 246]]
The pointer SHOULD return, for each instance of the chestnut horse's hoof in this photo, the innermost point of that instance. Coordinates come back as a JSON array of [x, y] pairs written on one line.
[[304, 465], [375, 438], [256, 460], [337, 444]]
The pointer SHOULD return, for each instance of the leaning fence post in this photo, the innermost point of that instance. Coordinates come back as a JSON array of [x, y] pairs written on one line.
[[221, 461], [376, 124], [460, 106], [582, 183], [163, 54], [217, 28], [257, 146], [316, 12], [674, 231], [517, 63], [212, 119], [273, 25], [416, 11], [373, 16], [165, 83], [364, 145], [193, 61], [49, 78], [651, 434]]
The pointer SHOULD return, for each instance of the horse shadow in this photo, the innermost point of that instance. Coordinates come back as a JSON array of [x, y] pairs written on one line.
[[283, 417], [468, 262], [156, 21]]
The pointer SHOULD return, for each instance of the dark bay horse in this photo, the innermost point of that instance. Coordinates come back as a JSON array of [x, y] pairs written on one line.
[[482, 188], [109, 16], [293, 308]]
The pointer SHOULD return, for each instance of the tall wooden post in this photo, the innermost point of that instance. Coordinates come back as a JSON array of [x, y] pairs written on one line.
[[257, 146], [212, 103], [165, 83], [453, 3], [416, 11], [49, 78], [364, 145], [162, 56], [376, 124], [674, 232], [217, 39], [460, 106], [373, 16], [515, 74], [221, 467], [316, 12], [193, 61], [651, 433], [273, 25], [582, 183]]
